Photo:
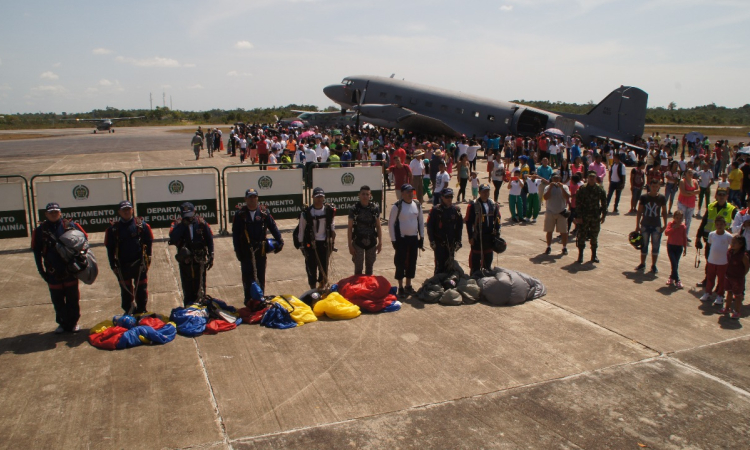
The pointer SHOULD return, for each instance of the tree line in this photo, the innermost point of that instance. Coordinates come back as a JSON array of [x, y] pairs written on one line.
[[699, 115]]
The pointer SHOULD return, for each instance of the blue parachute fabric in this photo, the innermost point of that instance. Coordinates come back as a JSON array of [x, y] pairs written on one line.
[[256, 293], [190, 322], [335, 288], [124, 321], [394, 290], [393, 307], [277, 317], [136, 335]]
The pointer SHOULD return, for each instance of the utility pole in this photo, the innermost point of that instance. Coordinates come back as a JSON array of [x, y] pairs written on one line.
[[151, 100], [170, 102], [163, 99]]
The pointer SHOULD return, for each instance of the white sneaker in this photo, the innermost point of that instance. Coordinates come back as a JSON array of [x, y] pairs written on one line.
[[76, 328], [706, 297], [59, 330], [719, 301]]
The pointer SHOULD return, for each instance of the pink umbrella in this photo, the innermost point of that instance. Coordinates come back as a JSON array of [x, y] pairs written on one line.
[[296, 123], [306, 134]]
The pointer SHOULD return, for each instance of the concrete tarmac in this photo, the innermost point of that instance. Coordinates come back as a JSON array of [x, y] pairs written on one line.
[[609, 358]]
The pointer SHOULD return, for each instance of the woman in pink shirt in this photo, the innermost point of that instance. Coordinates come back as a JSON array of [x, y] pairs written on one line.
[[676, 246], [686, 198]]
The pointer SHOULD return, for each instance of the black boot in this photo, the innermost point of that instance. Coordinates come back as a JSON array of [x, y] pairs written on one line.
[[580, 256], [593, 256]]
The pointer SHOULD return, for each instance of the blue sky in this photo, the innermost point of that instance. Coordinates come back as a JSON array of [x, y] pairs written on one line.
[[75, 56]]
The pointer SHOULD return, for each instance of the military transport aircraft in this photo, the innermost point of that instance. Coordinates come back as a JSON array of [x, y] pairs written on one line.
[[106, 124], [621, 116]]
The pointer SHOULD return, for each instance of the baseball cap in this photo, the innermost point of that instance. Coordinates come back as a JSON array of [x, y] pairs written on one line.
[[251, 193], [318, 192], [484, 187], [188, 210], [555, 174], [447, 192], [125, 204], [406, 187], [52, 207]]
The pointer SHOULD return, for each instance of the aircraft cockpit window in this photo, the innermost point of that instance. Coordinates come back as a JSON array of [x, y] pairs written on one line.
[[444, 107], [459, 110], [490, 117], [413, 101], [304, 116], [476, 113], [346, 82]]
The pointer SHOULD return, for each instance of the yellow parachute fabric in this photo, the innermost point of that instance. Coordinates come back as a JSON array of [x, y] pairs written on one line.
[[101, 326], [300, 312], [336, 307]]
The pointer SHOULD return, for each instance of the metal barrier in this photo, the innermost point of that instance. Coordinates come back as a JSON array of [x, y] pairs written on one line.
[[177, 188], [10, 217], [85, 205], [351, 164], [283, 203]]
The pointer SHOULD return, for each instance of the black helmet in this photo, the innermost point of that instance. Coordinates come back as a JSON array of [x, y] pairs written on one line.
[[499, 245], [636, 240]]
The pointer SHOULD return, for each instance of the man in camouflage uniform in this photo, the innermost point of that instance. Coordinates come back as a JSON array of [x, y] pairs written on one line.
[[591, 210]]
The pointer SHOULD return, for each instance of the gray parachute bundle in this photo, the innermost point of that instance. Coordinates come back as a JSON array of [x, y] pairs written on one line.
[[73, 247], [431, 290], [469, 290], [509, 287], [451, 297]]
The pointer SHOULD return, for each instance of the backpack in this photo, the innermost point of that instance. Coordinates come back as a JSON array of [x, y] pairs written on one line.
[[367, 239], [330, 211]]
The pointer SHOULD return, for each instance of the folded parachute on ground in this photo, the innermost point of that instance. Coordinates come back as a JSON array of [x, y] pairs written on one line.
[[190, 321], [299, 311], [336, 307], [127, 331], [509, 287], [370, 293], [276, 316]]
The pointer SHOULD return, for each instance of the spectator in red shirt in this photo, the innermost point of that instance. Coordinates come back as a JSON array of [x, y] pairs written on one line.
[[401, 154], [401, 174], [262, 145]]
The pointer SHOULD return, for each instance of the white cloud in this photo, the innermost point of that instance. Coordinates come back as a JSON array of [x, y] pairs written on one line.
[[105, 82], [234, 73], [49, 75], [5, 87], [101, 51], [57, 64], [243, 45], [195, 86], [45, 90], [156, 61], [506, 8]]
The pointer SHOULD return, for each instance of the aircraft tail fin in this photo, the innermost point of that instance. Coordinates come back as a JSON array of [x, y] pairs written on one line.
[[622, 111]]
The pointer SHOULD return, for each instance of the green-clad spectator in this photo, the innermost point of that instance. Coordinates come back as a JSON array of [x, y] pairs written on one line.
[[334, 160]]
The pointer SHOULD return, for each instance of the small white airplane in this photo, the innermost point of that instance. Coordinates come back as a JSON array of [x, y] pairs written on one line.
[[106, 124]]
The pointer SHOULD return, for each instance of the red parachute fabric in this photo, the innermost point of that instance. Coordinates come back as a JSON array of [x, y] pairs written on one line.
[[216, 326], [152, 322], [249, 316], [369, 292], [108, 338]]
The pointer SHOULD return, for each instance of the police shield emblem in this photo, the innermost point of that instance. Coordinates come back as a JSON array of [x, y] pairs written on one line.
[[347, 179], [80, 192], [176, 187], [265, 182]]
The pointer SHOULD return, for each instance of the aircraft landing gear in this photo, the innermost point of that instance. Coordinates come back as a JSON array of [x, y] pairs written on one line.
[[94, 131]]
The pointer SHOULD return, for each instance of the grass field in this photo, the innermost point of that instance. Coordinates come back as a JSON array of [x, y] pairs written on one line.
[[709, 131]]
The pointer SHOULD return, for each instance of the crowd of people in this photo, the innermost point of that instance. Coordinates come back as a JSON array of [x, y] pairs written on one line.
[[560, 172]]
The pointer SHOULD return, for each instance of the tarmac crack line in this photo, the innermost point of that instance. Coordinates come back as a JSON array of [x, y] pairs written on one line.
[[217, 412], [455, 400], [709, 376], [592, 322]]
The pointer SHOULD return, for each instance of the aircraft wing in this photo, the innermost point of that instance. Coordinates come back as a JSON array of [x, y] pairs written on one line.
[[617, 141], [407, 119], [85, 120], [127, 118]]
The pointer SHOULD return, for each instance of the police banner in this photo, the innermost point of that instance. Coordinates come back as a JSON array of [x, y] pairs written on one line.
[[92, 202], [279, 190], [12, 212], [341, 185], [158, 197]]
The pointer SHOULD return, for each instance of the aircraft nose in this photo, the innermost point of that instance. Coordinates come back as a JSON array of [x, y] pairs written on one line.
[[335, 92]]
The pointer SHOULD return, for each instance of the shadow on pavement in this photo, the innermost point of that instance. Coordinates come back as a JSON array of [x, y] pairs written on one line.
[[542, 258], [575, 267], [40, 342]]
